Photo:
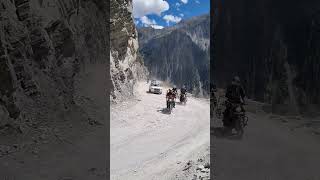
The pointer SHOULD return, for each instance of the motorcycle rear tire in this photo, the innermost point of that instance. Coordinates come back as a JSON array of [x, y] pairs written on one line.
[[239, 127], [170, 107]]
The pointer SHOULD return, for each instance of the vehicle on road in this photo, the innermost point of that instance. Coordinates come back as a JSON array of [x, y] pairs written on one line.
[[155, 87], [237, 117], [183, 99]]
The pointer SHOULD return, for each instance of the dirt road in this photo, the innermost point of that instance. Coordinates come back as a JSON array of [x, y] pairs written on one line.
[[149, 144], [271, 149]]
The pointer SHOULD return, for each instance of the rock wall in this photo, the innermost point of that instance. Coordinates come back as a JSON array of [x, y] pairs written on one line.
[[126, 66], [53, 58], [273, 46]]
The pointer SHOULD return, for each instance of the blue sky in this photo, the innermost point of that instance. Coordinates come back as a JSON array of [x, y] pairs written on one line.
[[163, 13]]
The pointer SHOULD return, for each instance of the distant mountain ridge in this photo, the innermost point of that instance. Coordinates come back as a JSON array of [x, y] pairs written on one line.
[[179, 54]]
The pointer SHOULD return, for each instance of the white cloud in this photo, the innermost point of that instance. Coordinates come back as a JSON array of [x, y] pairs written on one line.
[[181, 15], [198, 2], [157, 27], [145, 7], [184, 1], [146, 21], [171, 18], [150, 23]]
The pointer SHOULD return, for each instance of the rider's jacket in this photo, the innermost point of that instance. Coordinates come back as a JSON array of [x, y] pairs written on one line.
[[170, 95], [235, 93]]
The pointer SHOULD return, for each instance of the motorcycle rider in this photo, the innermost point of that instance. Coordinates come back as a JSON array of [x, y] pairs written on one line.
[[174, 90], [234, 94], [170, 95], [183, 92]]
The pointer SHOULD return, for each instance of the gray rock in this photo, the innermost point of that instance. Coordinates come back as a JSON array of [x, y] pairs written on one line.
[[200, 167], [126, 66], [51, 57], [4, 116]]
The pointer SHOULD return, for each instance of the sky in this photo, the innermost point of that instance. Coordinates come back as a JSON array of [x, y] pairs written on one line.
[[163, 13]]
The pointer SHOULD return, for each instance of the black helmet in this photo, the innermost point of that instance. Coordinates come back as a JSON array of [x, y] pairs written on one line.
[[236, 80], [213, 87]]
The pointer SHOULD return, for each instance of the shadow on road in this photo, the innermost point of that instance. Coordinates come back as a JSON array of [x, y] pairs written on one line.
[[153, 93], [180, 103], [219, 132], [164, 111]]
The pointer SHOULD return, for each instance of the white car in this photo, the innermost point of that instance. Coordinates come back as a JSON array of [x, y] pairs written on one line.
[[155, 87]]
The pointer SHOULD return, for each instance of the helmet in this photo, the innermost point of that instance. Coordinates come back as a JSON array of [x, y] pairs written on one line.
[[236, 79], [213, 87]]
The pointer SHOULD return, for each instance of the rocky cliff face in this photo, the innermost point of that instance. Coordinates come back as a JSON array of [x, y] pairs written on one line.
[[53, 58], [126, 66], [179, 54], [273, 46]]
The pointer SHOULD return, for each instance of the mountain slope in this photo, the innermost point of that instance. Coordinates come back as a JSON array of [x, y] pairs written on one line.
[[50, 51], [126, 66], [179, 54], [53, 84]]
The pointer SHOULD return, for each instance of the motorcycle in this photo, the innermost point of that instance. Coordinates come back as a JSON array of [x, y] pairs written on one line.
[[170, 104], [237, 117], [183, 99]]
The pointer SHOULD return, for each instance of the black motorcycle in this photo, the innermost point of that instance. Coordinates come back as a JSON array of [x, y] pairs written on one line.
[[236, 117]]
